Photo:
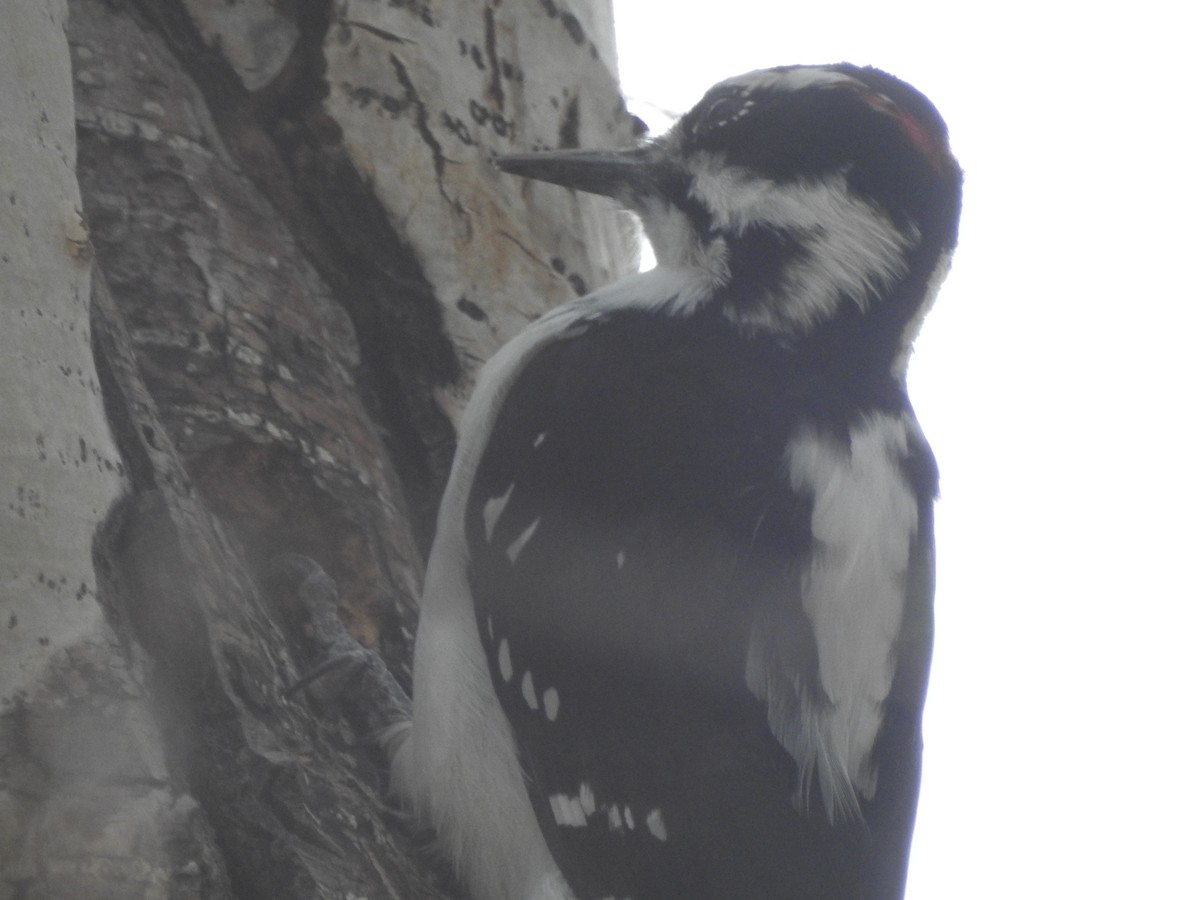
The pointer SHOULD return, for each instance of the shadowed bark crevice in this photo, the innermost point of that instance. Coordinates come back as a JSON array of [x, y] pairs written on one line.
[[284, 142], [275, 778]]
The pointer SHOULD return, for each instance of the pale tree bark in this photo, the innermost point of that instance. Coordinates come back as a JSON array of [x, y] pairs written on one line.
[[240, 321]]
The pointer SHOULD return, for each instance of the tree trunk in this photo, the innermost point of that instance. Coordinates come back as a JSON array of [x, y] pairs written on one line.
[[297, 257]]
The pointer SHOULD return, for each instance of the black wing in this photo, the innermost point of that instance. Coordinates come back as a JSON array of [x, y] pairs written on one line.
[[629, 520]]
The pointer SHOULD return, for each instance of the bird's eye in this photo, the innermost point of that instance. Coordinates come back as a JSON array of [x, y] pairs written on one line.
[[723, 111]]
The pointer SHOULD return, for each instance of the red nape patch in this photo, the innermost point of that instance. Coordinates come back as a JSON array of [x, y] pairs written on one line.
[[932, 147]]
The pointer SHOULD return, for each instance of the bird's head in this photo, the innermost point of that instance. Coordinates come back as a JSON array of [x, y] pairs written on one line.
[[789, 196]]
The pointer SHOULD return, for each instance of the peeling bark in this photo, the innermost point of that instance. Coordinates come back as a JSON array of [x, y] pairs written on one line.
[[301, 257], [292, 800]]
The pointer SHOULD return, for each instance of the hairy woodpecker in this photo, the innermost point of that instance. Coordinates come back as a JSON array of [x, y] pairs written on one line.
[[676, 629]]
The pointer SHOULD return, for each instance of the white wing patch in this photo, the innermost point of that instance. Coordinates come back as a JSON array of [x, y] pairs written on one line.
[[587, 798], [614, 819], [515, 548], [550, 703], [528, 691], [493, 509], [573, 812], [656, 825], [504, 660], [863, 522], [568, 811]]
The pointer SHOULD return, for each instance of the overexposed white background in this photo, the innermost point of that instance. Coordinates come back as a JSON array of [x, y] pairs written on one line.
[[1057, 380]]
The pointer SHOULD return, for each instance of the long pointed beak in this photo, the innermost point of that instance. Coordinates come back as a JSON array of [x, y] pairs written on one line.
[[610, 173]]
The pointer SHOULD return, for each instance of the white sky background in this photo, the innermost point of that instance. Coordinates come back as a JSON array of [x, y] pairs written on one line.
[[1057, 380]]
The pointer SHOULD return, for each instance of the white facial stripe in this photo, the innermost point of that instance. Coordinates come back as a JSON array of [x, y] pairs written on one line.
[[853, 249], [790, 79], [677, 245], [864, 520]]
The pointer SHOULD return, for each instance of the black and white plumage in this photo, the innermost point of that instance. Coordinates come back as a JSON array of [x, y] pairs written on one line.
[[677, 623]]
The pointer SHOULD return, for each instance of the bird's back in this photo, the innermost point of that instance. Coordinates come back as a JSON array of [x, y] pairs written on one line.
[[631, 520]]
